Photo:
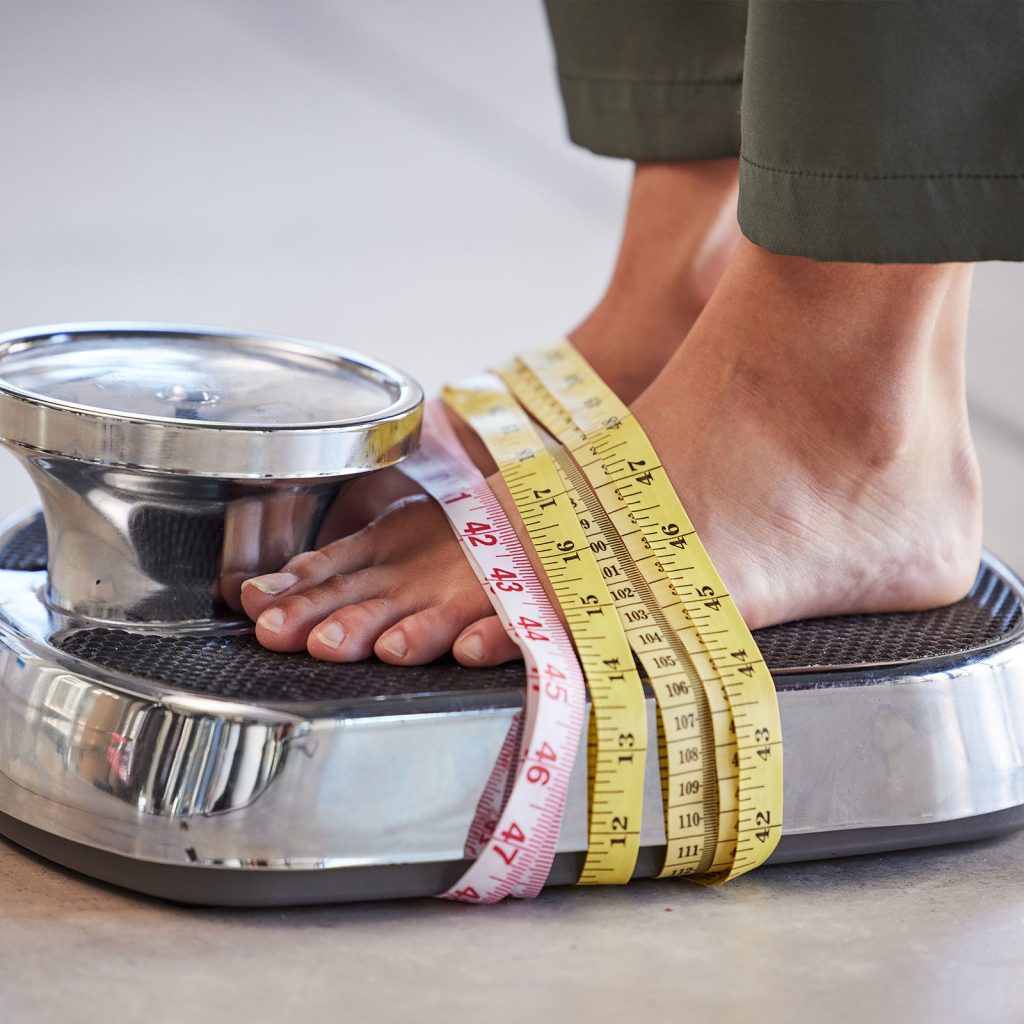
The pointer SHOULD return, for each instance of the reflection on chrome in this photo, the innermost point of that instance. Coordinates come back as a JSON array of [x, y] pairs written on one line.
[[62, 730], [150, 547], [174, 462], [166, 776]]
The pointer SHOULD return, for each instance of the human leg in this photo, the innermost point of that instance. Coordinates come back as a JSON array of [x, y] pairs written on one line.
[[822, 451], [658, 82]]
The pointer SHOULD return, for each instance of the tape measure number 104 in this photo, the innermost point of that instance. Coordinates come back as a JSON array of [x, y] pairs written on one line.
[[630, 574]]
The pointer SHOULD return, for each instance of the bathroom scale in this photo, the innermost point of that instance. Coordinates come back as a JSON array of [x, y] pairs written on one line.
[[147, 740]]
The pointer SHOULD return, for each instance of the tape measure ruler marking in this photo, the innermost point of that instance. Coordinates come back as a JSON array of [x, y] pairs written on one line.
[[698, 785], [689, 783], [515, 830], [633, 527], [618, 729], [617, 458]]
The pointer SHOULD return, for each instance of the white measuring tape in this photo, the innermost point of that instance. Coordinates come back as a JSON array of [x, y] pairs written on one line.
[[515, 831]]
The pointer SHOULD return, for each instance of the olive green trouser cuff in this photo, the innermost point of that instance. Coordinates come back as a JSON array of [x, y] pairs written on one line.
[[911, 219], [872, 130], [647, 121], [650, 79]]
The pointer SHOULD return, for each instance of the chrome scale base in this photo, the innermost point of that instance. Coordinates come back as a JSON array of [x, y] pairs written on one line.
[[202, 769]]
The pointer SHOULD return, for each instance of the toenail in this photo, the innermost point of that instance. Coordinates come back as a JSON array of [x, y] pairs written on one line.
[[271, 620], [330, 634], [395, 644], [272, 583], [472, 647]]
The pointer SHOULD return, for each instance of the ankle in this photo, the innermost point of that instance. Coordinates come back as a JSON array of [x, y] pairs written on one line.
[[679, 234], [870, 355]]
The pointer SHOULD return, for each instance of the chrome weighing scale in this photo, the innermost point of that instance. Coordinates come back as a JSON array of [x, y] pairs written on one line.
[[147, 740]]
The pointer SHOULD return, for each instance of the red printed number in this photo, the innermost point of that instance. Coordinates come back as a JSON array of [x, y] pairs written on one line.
[[530, 628], [505, 580], [479, 535], [513, 834], [545, 752]]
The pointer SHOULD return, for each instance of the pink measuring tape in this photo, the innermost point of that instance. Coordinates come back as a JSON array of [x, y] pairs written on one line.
[[514, 833]]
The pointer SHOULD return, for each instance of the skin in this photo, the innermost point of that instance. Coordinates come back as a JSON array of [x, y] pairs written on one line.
[[822, 450]]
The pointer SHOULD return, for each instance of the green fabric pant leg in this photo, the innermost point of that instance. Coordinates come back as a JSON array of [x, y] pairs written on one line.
[[885, 132], [872, 130], [651, 79]]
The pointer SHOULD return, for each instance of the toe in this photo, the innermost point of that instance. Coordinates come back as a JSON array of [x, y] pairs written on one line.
[[306, 571], [485, 643], [286, 624], [350, 633], [428, 634]]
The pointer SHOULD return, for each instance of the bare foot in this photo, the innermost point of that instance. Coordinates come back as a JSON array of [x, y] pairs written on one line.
[[400, 588], [815, 426]]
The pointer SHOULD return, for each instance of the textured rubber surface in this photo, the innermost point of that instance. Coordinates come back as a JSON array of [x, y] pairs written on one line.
[[178, 549], [991, 613], [237, 667], [25, 550]]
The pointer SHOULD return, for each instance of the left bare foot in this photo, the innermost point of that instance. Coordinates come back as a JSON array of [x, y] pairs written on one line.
[[400, 588]]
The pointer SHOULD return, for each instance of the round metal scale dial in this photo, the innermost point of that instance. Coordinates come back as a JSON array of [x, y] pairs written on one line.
[[173, 463], [203, 402]]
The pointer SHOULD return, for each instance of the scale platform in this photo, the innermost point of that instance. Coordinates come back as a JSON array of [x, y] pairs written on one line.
[[206, 770]]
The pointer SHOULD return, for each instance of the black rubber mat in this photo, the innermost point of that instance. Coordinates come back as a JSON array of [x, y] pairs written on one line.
[[25, 550], [237, 667], [177, 548], [990, 613]]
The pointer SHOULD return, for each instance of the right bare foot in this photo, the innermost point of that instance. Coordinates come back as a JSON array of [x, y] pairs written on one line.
[[815, 426]]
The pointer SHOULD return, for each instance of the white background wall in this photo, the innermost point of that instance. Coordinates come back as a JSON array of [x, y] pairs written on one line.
[[388, 175]]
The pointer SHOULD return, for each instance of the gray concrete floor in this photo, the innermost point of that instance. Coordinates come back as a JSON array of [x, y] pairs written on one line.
[[393, 175]]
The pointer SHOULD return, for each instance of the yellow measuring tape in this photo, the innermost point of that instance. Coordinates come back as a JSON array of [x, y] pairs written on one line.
[[618, 725], [721, 756], [685, 731]]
